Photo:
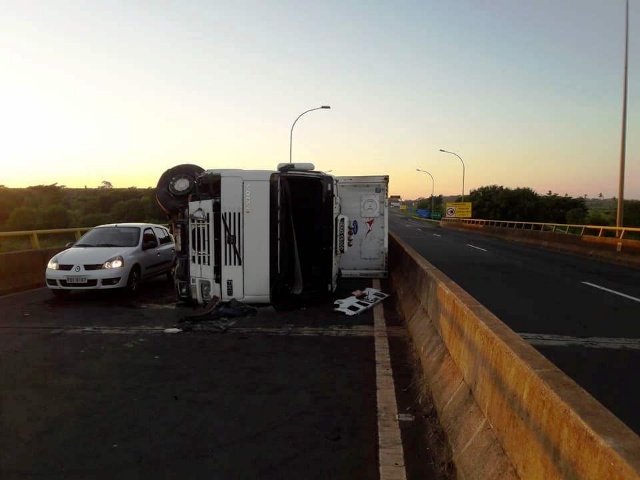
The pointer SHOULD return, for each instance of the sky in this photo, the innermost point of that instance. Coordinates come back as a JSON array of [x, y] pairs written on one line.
[[528, 94]]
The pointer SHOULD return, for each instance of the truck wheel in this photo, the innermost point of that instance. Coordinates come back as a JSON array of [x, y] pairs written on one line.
[[174, 187]]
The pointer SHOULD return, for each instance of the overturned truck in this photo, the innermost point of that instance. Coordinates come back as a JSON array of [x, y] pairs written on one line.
[[263, 236]]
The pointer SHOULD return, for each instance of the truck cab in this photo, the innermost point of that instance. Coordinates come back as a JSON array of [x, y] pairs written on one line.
[[263, 236]]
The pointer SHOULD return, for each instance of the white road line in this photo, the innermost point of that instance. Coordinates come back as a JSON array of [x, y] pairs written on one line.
[[23, 292], [546, 340], [281, 331], [635, 299], [436, 235], [477, 248], [390, 451]]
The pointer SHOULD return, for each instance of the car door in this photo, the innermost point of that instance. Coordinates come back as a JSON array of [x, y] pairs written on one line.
[[166, 248], [150, 256]]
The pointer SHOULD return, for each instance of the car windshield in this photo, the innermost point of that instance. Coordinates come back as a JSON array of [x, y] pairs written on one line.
[[110, 237]]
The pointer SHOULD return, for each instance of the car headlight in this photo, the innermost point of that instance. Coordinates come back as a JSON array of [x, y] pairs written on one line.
[[53, 264], [115, 262]]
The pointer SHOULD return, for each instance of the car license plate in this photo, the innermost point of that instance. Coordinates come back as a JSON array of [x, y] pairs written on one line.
[[77, 279]]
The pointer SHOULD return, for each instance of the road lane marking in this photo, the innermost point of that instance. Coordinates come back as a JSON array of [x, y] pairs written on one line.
[[390, 451], [547, 340], [477, 248], [281, 331], [436, 235], [635, 299], [23, 292]]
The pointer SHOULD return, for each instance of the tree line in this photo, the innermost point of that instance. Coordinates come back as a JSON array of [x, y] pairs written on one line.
[[52, 206], [494, 202]]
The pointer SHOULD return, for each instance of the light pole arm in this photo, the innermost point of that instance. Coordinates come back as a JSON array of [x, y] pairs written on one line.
[[433, 186], [453, 153], [433, 182], [294, 124]]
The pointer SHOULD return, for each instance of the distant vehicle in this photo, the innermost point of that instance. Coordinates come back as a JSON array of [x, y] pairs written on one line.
[[395, 201], [112, 256]]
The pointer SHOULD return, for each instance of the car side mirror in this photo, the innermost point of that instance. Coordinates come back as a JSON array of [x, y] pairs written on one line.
[[70, 244], [150, 244]]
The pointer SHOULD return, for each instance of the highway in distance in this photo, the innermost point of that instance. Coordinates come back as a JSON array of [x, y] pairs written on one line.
[[582, 314]]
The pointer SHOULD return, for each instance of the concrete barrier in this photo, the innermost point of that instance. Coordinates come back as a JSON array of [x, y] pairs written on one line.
[[626, 252], [508, 412], [24, 270]]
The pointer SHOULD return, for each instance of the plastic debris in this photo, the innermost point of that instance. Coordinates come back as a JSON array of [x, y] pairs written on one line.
[[360, 301], [405, 417], [172, 330]]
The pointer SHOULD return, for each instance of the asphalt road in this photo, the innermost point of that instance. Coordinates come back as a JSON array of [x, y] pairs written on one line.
[[582, 314], [92, 387]]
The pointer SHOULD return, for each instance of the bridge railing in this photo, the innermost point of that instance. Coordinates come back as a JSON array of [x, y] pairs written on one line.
[[582, 230], [39, 239]]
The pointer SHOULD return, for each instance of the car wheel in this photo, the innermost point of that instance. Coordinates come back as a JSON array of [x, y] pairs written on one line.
[[133, 282]]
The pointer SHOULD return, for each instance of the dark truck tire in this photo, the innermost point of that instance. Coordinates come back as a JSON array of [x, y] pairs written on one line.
[[175, 186]]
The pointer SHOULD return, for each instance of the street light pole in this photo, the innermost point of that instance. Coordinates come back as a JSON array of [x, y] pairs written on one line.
[[294, 124], [623, 142], [446, 151], [433, 186]]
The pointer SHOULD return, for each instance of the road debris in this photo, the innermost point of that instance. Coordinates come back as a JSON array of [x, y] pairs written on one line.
[[360, 301], [172, 330], [405, 417], [216, 317]]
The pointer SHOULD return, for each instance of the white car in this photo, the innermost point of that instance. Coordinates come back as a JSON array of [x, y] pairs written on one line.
[[112, 256]]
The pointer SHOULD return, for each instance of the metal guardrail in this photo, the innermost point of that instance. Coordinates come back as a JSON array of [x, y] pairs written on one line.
[[590, 230], [34, 238]]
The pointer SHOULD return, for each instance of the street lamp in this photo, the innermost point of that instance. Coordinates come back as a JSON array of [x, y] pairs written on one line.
[[433, 184], [446, 151], [623, 142], [294, 124]]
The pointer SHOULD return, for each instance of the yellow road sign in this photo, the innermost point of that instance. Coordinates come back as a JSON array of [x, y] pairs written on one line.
[[458, 210]]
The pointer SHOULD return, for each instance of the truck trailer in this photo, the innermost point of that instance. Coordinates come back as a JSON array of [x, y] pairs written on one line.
[[272, 236]]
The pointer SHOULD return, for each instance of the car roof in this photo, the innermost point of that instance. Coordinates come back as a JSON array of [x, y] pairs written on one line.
[[129, 224]]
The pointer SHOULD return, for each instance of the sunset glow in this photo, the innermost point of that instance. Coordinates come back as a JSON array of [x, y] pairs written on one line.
[[529, 94]]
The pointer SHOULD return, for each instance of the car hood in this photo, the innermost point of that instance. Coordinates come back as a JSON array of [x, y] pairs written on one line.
[[91, 255]]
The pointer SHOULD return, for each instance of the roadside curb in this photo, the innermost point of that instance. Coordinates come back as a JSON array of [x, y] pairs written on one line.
[[507, 411]]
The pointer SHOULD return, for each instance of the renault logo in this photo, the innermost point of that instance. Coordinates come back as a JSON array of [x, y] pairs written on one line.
[[77, 268]]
